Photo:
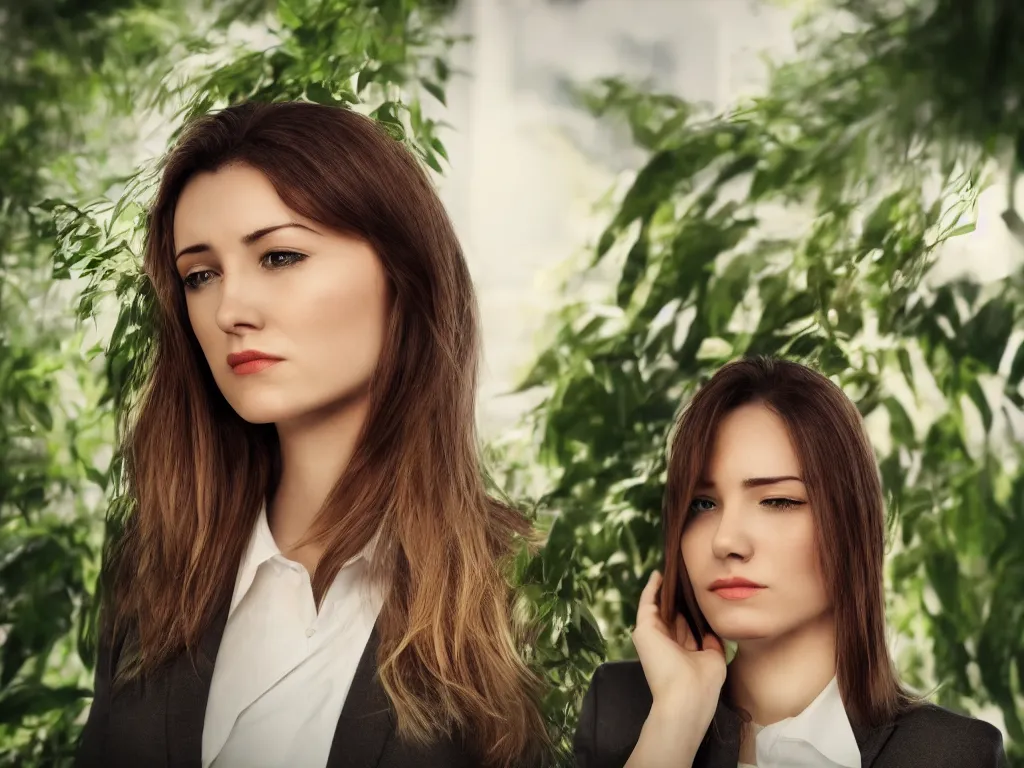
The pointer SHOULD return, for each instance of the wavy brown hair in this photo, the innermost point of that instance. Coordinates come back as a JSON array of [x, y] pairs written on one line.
[[845, 492], [196, 473]]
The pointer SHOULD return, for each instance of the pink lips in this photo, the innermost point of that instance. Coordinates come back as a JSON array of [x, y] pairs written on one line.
[[737, 593], [735, 589], [251, 361]]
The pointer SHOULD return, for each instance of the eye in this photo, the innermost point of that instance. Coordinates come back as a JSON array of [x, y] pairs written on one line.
[[700, 505], [195, 280], [280, 259], [782, 503]]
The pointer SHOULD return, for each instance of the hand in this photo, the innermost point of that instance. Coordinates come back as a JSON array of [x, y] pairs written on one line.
[[689, 680], [684, 682]]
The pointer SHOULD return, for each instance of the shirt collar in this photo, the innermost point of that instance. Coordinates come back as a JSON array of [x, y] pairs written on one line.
[[262, 547], [819, 737]]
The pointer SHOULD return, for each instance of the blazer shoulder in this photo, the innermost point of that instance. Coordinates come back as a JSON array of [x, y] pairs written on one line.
[[89, 748], [614, 710], [945, 738], [446, 753], [624, 683]]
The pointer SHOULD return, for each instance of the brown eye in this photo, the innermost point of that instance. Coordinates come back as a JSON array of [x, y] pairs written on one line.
[[196, 280], [280, 259]]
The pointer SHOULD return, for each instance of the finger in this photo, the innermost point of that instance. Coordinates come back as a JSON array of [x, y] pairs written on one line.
[[650, 594], [648, 615]]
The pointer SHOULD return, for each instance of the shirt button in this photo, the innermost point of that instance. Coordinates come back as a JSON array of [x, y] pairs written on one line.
[[310, 632]]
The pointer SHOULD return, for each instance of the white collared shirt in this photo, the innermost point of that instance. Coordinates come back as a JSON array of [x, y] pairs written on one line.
[[819, 737], [283, 671]]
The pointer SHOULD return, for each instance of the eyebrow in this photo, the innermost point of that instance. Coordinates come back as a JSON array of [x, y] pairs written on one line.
[[249, 239], [755, 482]]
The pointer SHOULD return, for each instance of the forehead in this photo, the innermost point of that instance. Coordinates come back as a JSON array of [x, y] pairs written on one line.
[[227, 204], [752, 441]]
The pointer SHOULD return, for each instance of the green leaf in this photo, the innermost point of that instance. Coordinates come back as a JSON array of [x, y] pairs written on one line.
[[366, 76], [879, 224], [441, 70], [977, 396], [963, 229], [633, 269], [543, 371], [833, 358], [320, 94], [906, 368], [899, 423], [431, 160], [287, 15], [988, 332], [434, 90], [805, 346], [439, 147], [96, 476], [1016, 368]]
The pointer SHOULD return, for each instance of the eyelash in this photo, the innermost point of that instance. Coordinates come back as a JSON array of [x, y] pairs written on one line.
[[192, 285], [780, 503]]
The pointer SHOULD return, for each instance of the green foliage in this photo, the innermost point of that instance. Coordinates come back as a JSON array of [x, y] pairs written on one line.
[[873, 144], [909, 49], [803, 224], [52, 433]]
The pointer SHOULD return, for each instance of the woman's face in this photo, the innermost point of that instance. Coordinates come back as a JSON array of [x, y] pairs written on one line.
[[751, 519], [260, 280]]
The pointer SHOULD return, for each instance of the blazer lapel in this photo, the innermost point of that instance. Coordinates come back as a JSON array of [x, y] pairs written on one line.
[[365, 724], [870, 741], [187, 692]]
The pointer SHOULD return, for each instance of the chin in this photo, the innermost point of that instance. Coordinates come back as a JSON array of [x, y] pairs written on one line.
[[277, 406], [258, 416], [742, 637], [263, 410], [737, 630]]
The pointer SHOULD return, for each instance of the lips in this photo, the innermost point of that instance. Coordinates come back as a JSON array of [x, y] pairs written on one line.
[[251, 361], [735, 588]]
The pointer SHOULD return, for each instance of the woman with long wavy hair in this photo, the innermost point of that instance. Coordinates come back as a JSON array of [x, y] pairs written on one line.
[[313, 573]]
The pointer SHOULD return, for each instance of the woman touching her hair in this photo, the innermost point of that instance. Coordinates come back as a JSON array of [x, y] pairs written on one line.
[[313, 574], [774, 529]]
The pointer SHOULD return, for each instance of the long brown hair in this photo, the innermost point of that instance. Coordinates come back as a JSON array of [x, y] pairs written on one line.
[[846, 498], [449, 645]]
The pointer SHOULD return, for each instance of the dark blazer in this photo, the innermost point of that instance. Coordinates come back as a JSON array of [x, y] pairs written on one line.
[[618, 702], [158, 722]]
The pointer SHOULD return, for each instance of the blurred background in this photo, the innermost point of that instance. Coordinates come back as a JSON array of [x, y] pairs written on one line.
[[645, 189]]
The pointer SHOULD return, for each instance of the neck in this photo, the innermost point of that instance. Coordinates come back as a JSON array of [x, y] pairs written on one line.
[[776, 678], [315, 451]]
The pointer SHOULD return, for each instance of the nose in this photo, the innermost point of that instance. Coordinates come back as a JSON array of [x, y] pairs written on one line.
[[731, 539], [237, 309]]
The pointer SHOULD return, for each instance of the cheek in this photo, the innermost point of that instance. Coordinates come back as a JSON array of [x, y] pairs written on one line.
[[798, 547], [700, 564], [797, 557], [695, 548], [203, 320], [344, 316]]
